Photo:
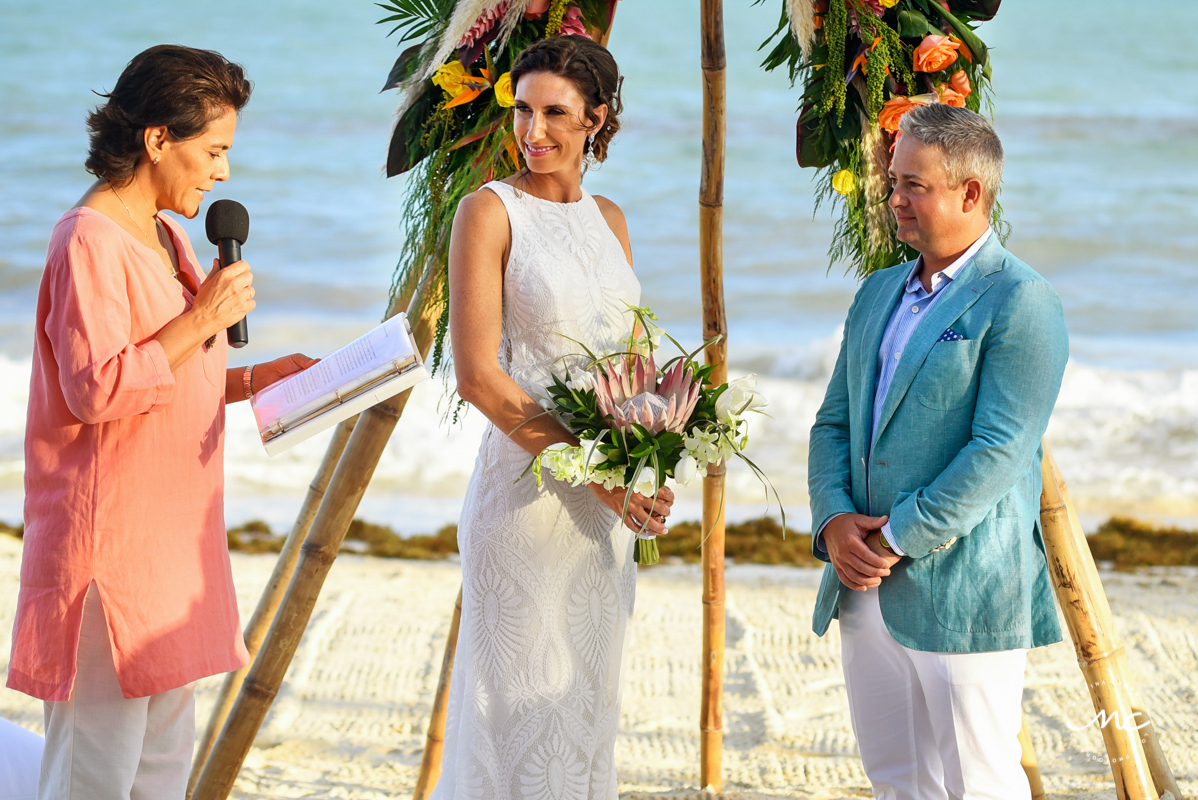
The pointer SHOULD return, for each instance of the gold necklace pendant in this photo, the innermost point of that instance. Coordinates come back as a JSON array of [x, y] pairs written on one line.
[[174, 271]]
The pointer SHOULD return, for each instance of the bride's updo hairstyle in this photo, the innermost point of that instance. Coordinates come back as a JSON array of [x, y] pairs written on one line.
[[590, 67]]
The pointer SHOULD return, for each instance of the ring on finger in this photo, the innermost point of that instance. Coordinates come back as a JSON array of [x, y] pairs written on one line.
[[660, 517]]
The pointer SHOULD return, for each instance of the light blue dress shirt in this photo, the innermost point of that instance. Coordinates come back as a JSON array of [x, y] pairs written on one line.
[[911, 310]]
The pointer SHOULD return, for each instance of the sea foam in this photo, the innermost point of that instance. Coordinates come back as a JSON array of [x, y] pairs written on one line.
[[1126, 441]]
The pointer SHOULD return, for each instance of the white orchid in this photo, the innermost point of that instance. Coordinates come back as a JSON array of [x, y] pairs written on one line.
[[565, 463], [610, 478], [703, 446]]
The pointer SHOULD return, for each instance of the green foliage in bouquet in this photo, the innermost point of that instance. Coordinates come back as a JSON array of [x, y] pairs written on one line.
[[863, 64], [453, 132]]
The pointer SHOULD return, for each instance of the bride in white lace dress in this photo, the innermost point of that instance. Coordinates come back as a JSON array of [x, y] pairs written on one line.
[[548, 576]]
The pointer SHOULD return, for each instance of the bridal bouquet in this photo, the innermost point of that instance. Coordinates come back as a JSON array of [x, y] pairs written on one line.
[[639, 424]]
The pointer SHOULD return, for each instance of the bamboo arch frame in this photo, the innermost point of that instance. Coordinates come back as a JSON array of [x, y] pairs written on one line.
[[1139, 767]]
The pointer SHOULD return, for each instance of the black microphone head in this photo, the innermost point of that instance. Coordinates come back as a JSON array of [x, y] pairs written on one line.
[[227, 219]]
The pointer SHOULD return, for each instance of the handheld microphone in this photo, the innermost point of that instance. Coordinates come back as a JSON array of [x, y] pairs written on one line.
[[228, 226]]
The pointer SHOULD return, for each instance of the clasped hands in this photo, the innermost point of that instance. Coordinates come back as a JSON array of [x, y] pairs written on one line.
[[644, 513], [854, 547]]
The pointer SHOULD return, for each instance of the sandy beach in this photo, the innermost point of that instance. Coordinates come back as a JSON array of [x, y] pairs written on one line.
[[350, 720]]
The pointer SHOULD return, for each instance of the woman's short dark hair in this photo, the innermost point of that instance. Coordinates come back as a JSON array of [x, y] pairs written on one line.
[[592, 70], [180, 87]]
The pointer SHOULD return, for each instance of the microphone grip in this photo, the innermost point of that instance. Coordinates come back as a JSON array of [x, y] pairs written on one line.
[[230, 252]]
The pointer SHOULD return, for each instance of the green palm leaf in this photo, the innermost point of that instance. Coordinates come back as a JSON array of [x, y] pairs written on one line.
[[414, 18]]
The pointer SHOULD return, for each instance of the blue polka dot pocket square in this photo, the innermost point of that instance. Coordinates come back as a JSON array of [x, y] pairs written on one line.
[[950, 336]]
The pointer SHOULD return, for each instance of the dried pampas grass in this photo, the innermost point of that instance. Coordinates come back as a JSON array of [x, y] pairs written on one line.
[[875, 176], [463, 17], [801, 14]]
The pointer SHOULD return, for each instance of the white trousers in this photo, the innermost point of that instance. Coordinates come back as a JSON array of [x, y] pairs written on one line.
[[102, 746], [931, 726], [20, 755]]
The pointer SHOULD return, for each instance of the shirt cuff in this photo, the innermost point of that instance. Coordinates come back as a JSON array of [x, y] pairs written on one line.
[[819, 535], [889, 536]]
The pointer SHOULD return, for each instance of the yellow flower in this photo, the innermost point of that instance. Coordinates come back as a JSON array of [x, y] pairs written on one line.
[[449, 77], [503, 91], [889, 3], [844, 182]]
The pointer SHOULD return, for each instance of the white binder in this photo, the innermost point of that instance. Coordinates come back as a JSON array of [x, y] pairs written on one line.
[[367, 371]]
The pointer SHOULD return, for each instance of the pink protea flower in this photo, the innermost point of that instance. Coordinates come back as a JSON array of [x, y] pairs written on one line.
[[624, 378], [630, 396], [485, 22], [572, 24], [680, 384]]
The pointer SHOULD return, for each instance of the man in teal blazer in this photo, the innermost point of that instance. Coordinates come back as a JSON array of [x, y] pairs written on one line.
[[924, 477]]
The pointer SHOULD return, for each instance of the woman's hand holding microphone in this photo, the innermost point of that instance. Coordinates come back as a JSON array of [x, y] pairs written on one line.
[[225, 296]]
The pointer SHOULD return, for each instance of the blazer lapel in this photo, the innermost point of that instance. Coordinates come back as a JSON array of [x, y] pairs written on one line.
[[873, 328], [965, 290]]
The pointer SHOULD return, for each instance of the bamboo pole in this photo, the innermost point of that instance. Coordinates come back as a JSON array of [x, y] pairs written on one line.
[[264, 614], [1158, 765], [434, 746], [711, 256], [345, 490], [1100, 653], [711, 712], [1031, 766], [268, 604]]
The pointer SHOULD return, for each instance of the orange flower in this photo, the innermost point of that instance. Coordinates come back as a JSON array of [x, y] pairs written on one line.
[[960, 83], [935, 53], [950, 96], [896, 107], [863, 59], [968, 56]]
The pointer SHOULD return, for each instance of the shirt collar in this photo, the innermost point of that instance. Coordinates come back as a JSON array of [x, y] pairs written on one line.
[[946, 275]]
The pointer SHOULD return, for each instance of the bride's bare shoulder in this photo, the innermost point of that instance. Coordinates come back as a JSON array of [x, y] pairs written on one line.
[[482, 205]]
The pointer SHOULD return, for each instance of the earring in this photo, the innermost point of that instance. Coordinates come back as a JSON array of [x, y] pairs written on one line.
[[155, 161], [589, 156]]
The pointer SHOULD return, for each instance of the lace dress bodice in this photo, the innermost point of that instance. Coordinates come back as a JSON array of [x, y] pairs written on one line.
[[567, 281], [548, 578]]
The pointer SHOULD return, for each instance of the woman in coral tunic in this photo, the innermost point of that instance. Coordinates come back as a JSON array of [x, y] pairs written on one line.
[[126, 593]]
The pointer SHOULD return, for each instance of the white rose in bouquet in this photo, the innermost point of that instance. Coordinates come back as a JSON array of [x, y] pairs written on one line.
[[740, 396], [646, 481], [593, 456]]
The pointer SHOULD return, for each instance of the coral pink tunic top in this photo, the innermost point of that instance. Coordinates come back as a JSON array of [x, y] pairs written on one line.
[[124, 473]]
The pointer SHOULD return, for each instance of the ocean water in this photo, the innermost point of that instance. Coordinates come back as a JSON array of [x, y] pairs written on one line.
[[1100, 127]]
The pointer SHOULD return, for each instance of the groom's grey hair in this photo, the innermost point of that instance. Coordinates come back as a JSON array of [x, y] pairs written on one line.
[[966, 140]]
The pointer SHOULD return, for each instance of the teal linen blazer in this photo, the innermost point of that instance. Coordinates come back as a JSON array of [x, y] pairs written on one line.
[[957, 454]]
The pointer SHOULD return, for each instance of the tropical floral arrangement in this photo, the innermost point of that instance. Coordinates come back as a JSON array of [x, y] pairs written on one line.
[[453, 130], [640, 425], [864, 64]]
